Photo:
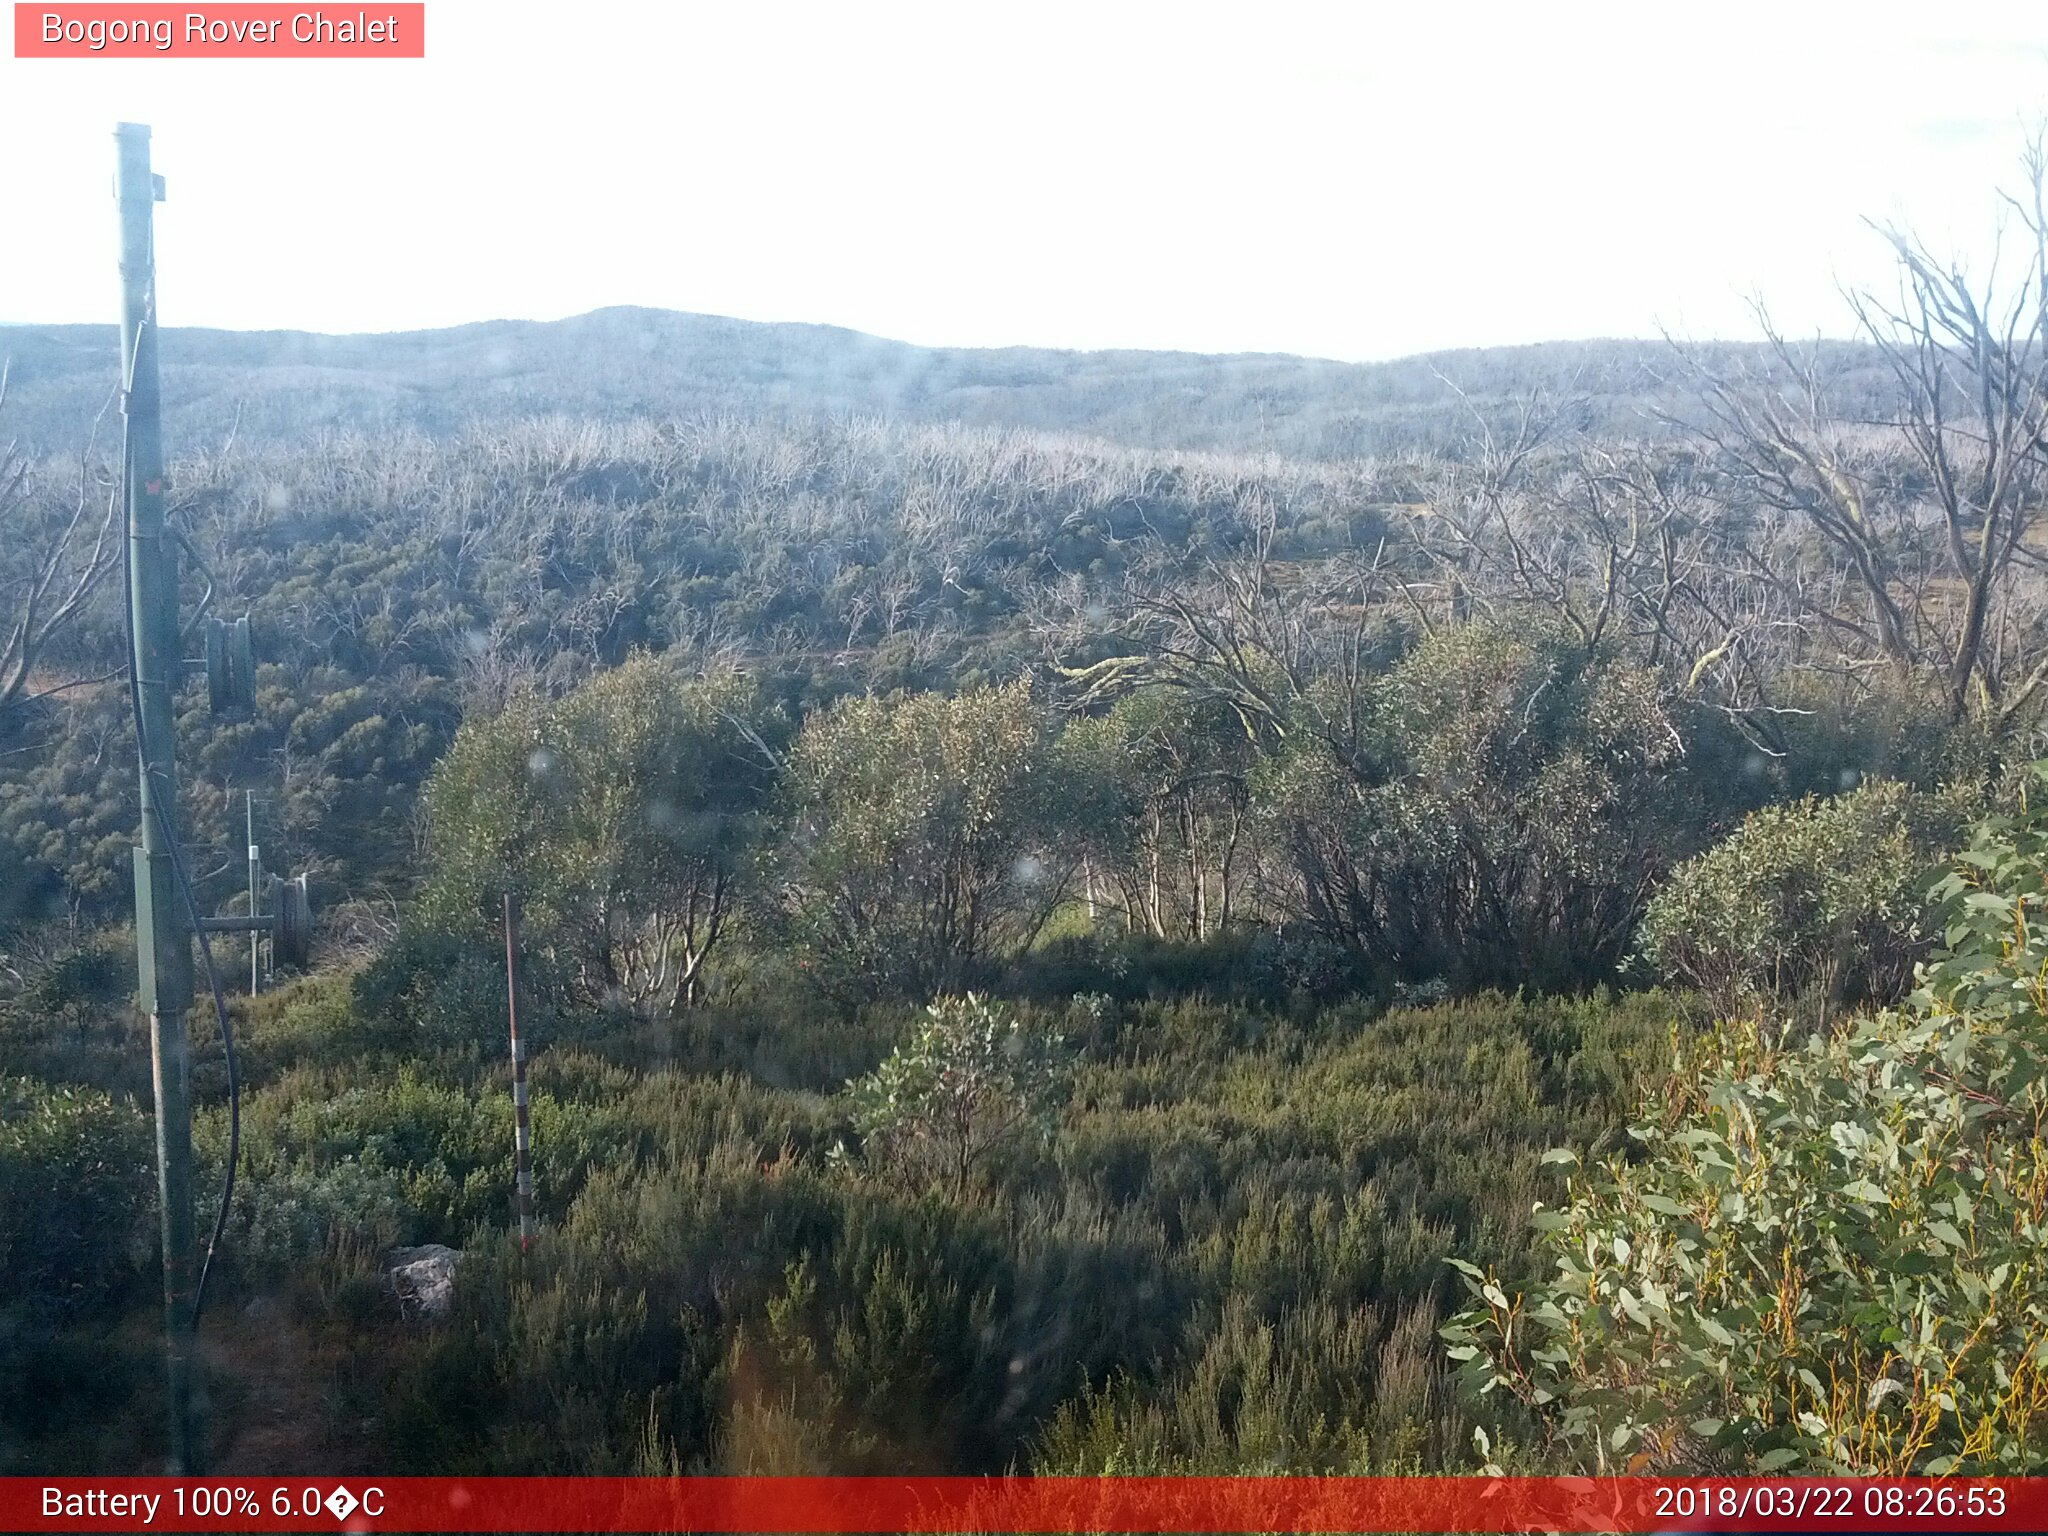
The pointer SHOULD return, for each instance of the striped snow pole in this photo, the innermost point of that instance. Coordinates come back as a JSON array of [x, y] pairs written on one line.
[[522, 1134]]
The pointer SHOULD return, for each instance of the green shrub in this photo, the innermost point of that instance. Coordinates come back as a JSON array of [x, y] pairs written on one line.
[[1157, 792], [329, 1162], [433, 988], [1828, 1257], [623, 814], [71, 1018], [76, 1194], [971, 1079], [919, 844], [1819, 897], [1233, 1254], [1317, 1390], [1495, 815]]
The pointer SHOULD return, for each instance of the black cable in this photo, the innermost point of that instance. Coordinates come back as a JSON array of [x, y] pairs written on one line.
[[227, 1043], [182, 876]]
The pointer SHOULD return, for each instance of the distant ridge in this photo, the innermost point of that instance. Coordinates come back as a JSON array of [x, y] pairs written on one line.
[[626, 362]]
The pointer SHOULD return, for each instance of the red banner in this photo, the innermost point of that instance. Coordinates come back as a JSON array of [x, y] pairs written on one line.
[[1047, 1504], [233, 31]]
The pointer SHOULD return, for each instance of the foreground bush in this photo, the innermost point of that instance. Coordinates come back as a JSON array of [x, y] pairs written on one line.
[[1829, 1260], [75, 1193], [1231, 1257]]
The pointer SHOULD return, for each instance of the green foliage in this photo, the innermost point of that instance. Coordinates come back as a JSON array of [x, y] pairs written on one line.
[[76, 1194], [1830, 739], [1820, 896], [431, 986], [1214, 1237], [1157, 792], [1499, 818], [369, 1163], [338, 759], [918, 841], [69, 1018], [1828, 1257], [358, 740], [972, 1078], [1986, 909], [435, 990], [623, 815], [1315, 1391], [1233, 1251], [68, 818]]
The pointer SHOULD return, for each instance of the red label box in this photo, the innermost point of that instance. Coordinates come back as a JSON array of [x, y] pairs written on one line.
[[231, 31]]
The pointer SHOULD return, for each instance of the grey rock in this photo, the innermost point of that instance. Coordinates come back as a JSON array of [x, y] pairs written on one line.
[[423, 1279]]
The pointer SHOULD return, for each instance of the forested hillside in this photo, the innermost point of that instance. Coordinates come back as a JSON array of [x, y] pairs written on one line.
[[1075, 908], [622, 364]]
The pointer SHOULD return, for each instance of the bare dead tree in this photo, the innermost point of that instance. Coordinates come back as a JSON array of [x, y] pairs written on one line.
[[1289, 648], [56, 560], [1779, 443], [1920, 527], [1971, 360]]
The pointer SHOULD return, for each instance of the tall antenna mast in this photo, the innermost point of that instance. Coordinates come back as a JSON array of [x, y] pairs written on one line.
[[163, 944], [167, 915]]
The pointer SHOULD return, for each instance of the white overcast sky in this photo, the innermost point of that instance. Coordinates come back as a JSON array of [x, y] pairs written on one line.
[[1355, 180]]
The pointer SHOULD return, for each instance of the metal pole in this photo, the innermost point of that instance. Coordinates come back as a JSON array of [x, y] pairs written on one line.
[[522, 1129], [255, 934], [163, 946]]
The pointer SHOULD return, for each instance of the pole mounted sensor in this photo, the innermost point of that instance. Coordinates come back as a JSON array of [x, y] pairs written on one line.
[[230, 665], [289, 922]]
